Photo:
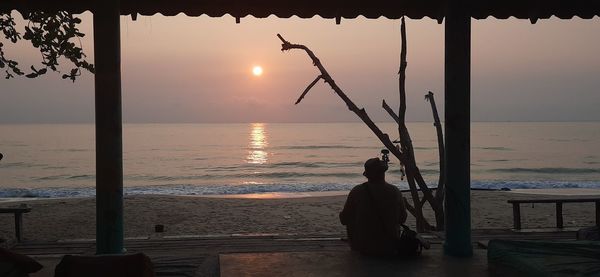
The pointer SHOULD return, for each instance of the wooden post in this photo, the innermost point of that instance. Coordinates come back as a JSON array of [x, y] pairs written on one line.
[[559, 215], [18, 225], [109, 149], [517, 215], [457, 128], [597, 213]]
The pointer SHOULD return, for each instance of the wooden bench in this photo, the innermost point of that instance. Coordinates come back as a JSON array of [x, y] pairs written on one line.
[[559, 204], [18, 211]]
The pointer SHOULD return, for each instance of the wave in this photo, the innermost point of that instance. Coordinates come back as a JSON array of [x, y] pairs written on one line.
[[534, 184], [47, 192], [65, 177], [51, 178], [496, 148], [282, 165], [20, 164], [423, 148], [175, 190], [273, 175], [78, 150], [548, 170], [304, 147], [315, 164], [82, 177], [55, 167], [191, 189], [298, 174], [496, 160], [423, 171]]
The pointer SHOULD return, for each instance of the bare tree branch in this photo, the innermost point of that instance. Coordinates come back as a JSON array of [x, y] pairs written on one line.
[[312, 84], [405, 152], [402, 75], [388, 109], [413, 212], [412, 171], [361, 113], [439, 194]]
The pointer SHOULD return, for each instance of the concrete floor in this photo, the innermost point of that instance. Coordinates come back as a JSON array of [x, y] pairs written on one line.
[[282, 255], [347, 263]]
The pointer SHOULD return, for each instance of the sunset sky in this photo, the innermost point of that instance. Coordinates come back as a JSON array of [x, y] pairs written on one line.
[[200, 69]]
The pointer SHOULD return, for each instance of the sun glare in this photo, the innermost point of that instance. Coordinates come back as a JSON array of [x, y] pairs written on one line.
[[257, 71]]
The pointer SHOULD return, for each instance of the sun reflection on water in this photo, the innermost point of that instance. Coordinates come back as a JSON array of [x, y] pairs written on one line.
[[258, 143]]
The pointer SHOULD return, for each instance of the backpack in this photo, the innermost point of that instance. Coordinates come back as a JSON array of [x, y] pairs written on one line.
[[406, 242]]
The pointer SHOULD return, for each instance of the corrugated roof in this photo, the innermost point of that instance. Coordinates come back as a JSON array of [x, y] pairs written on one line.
[[480, 9]]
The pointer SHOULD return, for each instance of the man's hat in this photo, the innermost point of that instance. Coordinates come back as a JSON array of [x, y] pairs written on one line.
[[375, 166]]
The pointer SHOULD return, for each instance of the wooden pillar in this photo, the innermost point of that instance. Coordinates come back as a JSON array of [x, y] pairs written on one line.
[[457, 126], [597, 204], [559, 215], [18, 225], [109, 149], [517, 215]]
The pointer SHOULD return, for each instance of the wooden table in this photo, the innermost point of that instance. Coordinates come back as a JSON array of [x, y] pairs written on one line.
[[18, 212], [559, 204]]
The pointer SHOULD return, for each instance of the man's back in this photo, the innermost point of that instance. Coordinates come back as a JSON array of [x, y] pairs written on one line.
[[371, 215]]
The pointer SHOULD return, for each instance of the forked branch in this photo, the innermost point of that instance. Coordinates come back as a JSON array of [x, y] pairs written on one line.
[[404, 152], [439, 194], [361, 113], [388, 109], [312, 84]]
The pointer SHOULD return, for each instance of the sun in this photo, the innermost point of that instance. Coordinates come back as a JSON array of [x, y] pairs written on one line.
[[257, 70]]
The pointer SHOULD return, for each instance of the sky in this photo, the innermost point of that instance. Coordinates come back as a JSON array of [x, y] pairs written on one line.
[[199, 69]]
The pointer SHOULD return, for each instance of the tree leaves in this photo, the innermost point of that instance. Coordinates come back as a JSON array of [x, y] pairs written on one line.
[[52, 34], [36, 72], [73, 75]]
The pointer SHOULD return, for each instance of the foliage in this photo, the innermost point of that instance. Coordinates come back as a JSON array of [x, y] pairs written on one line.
[[52, 34]]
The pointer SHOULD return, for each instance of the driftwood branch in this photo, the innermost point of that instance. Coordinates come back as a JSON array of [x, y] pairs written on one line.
[[414, 213], [312, 84], [361, 113], [402, 76], [388, 109], [405, 152], [413, 175], [439, 193]]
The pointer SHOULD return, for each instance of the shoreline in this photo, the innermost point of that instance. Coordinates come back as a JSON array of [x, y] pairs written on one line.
[[75, 218], [286, 195]]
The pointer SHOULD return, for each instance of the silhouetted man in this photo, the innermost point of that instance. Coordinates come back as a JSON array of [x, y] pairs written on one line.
[[373, 213]]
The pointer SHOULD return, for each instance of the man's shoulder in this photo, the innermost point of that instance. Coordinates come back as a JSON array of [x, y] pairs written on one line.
[[359, 188], [391, 187], [357, 192], [387, 187]]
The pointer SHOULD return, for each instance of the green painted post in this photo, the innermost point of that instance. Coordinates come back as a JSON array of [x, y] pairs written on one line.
[[457, 127], [109, 149]]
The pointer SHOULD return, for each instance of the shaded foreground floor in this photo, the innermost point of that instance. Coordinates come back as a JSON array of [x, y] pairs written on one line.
[[280, 255], [347, 263]]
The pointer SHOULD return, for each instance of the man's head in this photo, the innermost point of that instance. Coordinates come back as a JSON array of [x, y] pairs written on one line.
[[375, 169]]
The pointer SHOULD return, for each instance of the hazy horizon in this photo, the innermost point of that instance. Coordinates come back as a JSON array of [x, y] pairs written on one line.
[[199, 70], [298, 122]]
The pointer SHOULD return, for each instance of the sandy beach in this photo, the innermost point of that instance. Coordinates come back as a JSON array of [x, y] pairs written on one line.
[[56, 219]]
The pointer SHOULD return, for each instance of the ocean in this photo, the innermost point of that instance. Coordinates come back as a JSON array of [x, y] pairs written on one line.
[[57, 160]]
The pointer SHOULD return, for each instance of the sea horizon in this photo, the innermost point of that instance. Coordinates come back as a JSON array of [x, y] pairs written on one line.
[[302, 122]]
